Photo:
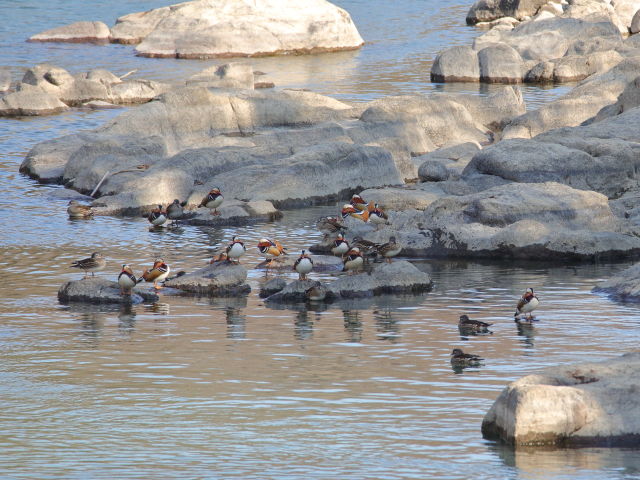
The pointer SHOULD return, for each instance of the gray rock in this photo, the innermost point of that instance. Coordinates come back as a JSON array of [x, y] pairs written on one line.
[[487, 10], [624, 286], [635, 23], [500, 64], [78, 32], [99, 290], [229, 75], [220, 279], [218, 28], [30, 102], [321, 263], [591, 404], [272, 286], [433, 171], [456, 64], [294, 292], [392, 199]]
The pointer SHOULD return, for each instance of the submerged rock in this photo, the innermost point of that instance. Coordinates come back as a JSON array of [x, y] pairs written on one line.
[[100, 290], [624, 286], [220, 279], [78, 32], [592, 404]]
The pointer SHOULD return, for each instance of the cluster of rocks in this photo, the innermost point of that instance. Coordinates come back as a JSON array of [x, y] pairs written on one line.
[[222, 28], [570, 406]]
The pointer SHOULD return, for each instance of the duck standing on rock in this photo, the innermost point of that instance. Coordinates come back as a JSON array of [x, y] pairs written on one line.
[[303, 265], [158, 273], [220, 257], [350, 210], [468, 325], [527, 304], [340, 246], [461, 359], [329, 225], [127, 280], [157, 216], [366, 247], [77, 210], [378, 217], [359, 204], [352, 261], [175, 210], [235, 249], [270, 249], [389, 249], [212, 201], [92, 264]]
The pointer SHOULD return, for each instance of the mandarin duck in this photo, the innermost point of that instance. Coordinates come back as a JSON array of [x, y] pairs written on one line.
[[350, 210], [359, 204], [127, 280], [466, 324], [328, 225], [175, 210], [340, 245], [303, 265], [527, 304], [352, 261], [459, 358], [378, 217], [235, 249], [158, 273], [389, 249], [212, 201], [157, 216], [270, 249], [78, 210], [92, 264]]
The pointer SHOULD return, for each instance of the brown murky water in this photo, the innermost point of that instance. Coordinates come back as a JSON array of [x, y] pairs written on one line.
[[231, 388]]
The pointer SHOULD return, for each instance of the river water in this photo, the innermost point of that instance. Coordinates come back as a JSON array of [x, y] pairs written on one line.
[[230, 388]]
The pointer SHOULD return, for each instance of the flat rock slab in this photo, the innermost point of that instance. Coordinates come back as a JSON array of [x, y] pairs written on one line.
[[78, 32], [396, 277], [220, 279], [99, 290], [321, 263], [592, 404]]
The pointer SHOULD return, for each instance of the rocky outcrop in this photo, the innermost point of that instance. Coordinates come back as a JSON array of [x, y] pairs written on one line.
[[226, 28], [220, 279], [591, 404], [488, 10], [78, 32], [397, 277], [97, 290], [533, 220], [624, 286], [229, 75], [30, 102], [321, 263]]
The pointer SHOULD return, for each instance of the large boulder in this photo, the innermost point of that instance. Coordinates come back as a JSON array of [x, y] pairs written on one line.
[[456, 64], [487, 10], [219, 279], [78, 32], [98, 290], [534, 220], [225, 28], [590, 404], [30, 102]]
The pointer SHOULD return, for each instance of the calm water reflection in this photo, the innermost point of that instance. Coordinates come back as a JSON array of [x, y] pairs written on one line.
[[233, 388]]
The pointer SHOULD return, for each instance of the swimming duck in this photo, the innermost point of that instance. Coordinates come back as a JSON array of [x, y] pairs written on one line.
[[340, 245], [77, 210], [92, 264], [349, 209], [158, 273], [459, 358], [359, 204], [330, 225], [378, 217], [235, 249], [465, 323], [127, 280], [213, 200], [303, 265], [352, 261], [389, 249], [157, 216], [317, 293], [527, 304], [175, 210]]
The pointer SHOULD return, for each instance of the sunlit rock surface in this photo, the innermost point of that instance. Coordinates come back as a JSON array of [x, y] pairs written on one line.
[[100, 290], [220, 279], [590, 404]]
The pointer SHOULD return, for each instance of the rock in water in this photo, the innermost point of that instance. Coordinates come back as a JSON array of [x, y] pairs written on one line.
[[593, 404], [99, 290], [217, 280]]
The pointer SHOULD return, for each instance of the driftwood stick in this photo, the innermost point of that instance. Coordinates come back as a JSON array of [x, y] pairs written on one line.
[[100, 183], [128, 73]]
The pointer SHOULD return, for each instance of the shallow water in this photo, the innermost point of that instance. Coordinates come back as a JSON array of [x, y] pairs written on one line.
[[232, 388]]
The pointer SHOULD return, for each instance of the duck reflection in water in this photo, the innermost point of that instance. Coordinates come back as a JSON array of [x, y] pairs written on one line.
[[353, 325], [303, 325], [126, 320], [236, 323], [387, 326], [158, 308], [528, 333]]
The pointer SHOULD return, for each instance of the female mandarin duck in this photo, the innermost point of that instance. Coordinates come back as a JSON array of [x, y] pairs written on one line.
[[158, 273], [340, 245], [389, 249], [330, 225], [92, 264], [77, 210], [353, 261], [127, 280], [465, 323], [235, 249], [527, 304], [459, 358], [213, 200], [175, 210], [157, 216], [303, 265]]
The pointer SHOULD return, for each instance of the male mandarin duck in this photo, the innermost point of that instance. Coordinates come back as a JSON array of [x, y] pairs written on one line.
[[459, 358], [157, 216], [270, 249], [340, 245], [158, 273], [303, 265], [92, 264], [349, 209], [78, 210], [465, 323], [352, 261], [527, 304], [127, 280], [235, 249], [213, 200], [220, 257], [359, 204], [389, 249], [378, 217]]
